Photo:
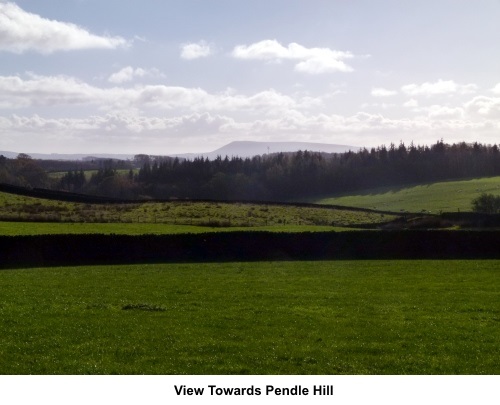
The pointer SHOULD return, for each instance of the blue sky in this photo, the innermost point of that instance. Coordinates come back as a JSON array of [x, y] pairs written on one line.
[[160, 77]]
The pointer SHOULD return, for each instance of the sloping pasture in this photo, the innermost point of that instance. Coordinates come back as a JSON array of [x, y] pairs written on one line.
[[446, 196], [19, 208]]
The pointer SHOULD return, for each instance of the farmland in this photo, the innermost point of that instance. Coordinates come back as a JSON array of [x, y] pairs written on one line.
[[146, 217], [157, 312], [341, 317]]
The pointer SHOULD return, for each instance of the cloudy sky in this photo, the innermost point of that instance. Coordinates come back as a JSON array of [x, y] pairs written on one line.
[[160, 77]]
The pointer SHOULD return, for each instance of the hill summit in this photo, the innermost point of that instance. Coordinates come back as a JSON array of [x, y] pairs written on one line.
[[246, 149]]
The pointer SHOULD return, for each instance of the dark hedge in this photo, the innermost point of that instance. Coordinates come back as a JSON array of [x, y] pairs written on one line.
[[54, 250]]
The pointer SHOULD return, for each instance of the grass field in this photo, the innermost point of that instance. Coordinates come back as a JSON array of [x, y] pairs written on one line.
[[206, 214], [342, 317], [449, 196], [56, 228]]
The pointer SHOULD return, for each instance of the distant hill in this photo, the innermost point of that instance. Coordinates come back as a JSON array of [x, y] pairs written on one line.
[[242, 149], [70, 156], [246, 149]]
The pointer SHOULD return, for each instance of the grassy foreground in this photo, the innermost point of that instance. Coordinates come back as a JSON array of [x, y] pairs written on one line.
[[342, 317]]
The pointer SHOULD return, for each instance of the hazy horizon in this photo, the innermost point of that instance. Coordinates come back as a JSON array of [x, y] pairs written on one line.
[[242, 149], [122, 77]]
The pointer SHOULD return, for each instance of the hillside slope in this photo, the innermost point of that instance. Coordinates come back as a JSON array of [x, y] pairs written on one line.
[[446, 196]]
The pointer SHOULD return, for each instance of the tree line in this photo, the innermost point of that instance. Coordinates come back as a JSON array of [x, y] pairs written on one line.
[[285, 176], [23, 172], [274, 177]]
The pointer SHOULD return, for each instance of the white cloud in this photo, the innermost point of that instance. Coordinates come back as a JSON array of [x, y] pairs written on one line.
[[309, 60], [496, 89], [117, 133], [128, 74], [488, 107], [196, 99], [196, 50], [383, 106], [263, 50], [21, 31], [159, 115], [121, 133], [365, 129], [441, 87], [444, 112], [436, 111], [316, 66], [17, 92], [381, 92], [412, 103]]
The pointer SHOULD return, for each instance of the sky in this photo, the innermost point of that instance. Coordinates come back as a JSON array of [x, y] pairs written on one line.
[[165, 76]]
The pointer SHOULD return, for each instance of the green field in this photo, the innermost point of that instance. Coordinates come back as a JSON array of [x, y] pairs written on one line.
[[341, 317], [57, 228], [15, 208], [448, 196]]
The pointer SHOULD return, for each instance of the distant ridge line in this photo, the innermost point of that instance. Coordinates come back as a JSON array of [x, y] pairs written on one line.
[[246, 149], [242, 149]]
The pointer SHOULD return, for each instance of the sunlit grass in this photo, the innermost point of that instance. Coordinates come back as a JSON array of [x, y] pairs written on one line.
[[448, 196], [341, 317]]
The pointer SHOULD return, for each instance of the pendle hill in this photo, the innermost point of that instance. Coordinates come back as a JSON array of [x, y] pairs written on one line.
[[241, 149]]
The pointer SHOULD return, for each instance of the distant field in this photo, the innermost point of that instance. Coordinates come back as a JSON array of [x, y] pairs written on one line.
[[89, 173], [342, 317], [206, 214], [449, 196]]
